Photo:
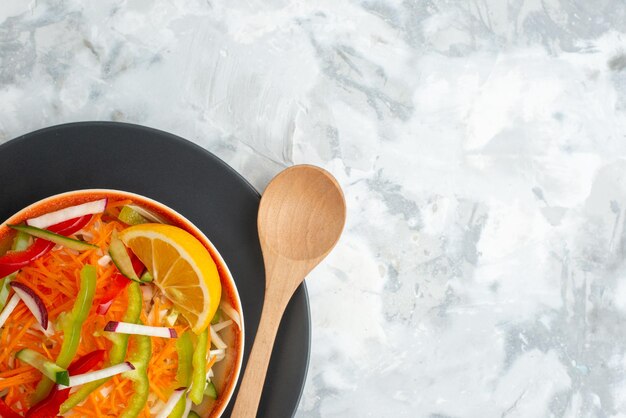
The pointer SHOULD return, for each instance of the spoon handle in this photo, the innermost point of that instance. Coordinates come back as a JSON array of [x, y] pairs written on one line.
[[251, 387]]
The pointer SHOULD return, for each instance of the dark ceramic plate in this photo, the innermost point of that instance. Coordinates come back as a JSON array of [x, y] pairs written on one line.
[[186, 178]]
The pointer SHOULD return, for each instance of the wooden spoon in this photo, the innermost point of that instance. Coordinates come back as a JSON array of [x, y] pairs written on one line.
[[301, 216]]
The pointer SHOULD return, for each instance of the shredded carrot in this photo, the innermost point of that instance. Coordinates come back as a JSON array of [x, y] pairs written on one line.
[[27, 377], [118, 203], [15, 371], [118, 391], [83, 411], [94, 404], [44, 348], [211, 362], [17, 340], [10, 396], [158, 392]]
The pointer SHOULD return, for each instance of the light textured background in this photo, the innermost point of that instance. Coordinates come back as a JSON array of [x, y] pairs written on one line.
[[481, 146]]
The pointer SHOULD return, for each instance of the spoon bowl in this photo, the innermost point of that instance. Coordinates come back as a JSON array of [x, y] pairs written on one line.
[[302, 213], [301, 217]]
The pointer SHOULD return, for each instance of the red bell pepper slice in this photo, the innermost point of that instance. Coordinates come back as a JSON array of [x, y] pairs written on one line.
[[118, 283], [49, 407], [13, 261], [70, 226], [6, 412], [137, 264]]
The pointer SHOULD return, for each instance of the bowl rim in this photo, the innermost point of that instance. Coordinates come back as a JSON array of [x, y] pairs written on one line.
[[214, 252]]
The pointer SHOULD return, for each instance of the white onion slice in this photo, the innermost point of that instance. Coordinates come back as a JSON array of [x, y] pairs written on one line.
[[156, 403], [153, 217], [72, 212], [81, 379], [219, 352], [9, 308], [105, 391], [104, 260], [136, 329], [221, 325], [231, 312], [171, 403], [216, 340], [147, 292]]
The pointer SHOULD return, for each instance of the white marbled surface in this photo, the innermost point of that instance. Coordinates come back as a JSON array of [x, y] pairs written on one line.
[[481, 145]]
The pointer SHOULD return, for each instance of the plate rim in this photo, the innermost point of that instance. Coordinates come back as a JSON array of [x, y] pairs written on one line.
[[218, 160]]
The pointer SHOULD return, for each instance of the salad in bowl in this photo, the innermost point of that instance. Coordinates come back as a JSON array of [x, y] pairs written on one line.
[[114, 305]]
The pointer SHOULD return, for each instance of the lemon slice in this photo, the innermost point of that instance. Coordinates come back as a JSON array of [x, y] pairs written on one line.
[[181, 267]]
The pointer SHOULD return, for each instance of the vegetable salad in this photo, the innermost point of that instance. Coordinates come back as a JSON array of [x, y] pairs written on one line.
[[99, 317]]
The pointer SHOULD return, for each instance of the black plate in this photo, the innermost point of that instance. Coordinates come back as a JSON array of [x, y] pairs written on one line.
[[186, 178]]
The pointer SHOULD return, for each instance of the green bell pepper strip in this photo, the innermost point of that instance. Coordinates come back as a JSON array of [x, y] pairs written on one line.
[[184, 347], [72, 324], [20, 243], [179, 409], [198, 378], [80, 311], [117, 353], [133, 311], [141, 385]]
